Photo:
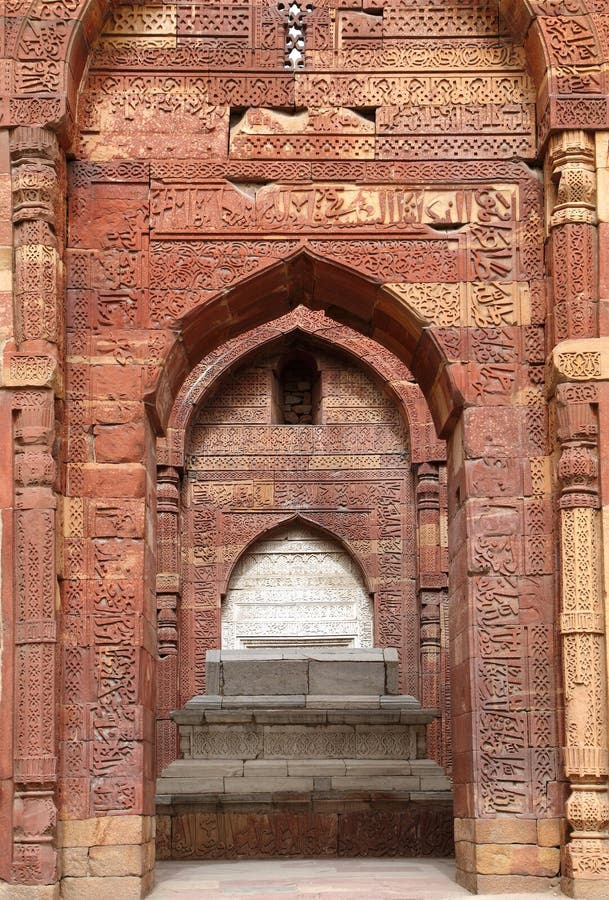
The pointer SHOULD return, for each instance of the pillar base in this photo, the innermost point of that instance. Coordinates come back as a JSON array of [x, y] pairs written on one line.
[[107, 858], [584, 887], [507, 855], [505, 884], [127, 887], [29, 891]]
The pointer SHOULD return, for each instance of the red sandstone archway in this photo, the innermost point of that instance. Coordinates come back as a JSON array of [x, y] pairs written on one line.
[[566, 99], [390, 372], [361, 301], [423, 608]]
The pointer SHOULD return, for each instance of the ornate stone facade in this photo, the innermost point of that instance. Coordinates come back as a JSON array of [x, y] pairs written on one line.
[[421, 186]]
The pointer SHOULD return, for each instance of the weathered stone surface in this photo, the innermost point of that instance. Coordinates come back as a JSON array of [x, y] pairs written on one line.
[[108, 830], [127, 859], [29, 892], [234, 173], [346, 677], [103, 888], [251, 676], [517, 859]]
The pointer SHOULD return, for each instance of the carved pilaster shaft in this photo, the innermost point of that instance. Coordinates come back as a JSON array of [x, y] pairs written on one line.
[[430, 569], [572, 222], [36, 212], [586, 752], [430, 580], [36, 215], [168, 556]]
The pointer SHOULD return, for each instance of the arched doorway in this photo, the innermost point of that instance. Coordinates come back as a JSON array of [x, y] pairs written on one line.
[[251, 486]]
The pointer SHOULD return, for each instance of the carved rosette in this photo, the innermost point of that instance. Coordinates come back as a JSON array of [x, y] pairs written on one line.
[[36, 214], [582, 626]]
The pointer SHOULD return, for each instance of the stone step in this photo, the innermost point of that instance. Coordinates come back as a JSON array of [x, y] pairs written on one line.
[[221, 776], [303, 701], [212, 768], [303, 709]]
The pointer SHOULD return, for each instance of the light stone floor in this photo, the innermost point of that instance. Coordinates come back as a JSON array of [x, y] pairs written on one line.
[[310, 879]]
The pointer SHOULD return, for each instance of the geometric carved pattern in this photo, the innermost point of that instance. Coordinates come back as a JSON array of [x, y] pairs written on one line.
[[400, 165]]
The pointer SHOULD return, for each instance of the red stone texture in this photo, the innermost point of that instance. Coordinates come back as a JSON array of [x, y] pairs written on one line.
[[211, 191], [414, 830]]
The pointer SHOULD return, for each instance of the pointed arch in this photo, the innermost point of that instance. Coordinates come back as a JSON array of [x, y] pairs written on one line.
[[346, 295], [384, 367], [297, 605], [296, 518]]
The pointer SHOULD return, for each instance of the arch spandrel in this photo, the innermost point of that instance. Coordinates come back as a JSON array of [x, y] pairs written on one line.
[[373, 309], [46, 95]]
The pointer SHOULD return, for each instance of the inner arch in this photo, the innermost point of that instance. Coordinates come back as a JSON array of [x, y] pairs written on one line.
[[296, 586]]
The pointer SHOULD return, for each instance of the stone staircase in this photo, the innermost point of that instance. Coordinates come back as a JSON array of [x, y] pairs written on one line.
[[315, 732]]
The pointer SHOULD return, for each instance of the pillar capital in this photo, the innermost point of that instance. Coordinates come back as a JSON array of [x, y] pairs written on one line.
[[571, 160]]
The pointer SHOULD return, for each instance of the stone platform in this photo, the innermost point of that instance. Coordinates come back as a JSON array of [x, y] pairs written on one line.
[[300, 771]]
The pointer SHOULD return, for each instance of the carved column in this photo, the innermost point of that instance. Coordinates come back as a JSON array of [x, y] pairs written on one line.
[[168, 599], [572, 223], [582, 627], [431, 583], [31, 373]]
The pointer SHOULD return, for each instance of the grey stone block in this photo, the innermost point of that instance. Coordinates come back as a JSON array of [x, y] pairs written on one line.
[[375, 783], [400, 701], [291, 717], [251, 676], [341, 654], [238, 800], [348, 676], [391, 670], [204, 701], [227, 742], [416, 717], [265, 767], [264, 701], [322, 783], [304, 742], [364, 716], [189, 786], [431, 795], [229, 716], [212, 672], [317, 767], [203, 768], [435, 783], [426, 767], [377, 767], [255, 784], [338, 702]]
